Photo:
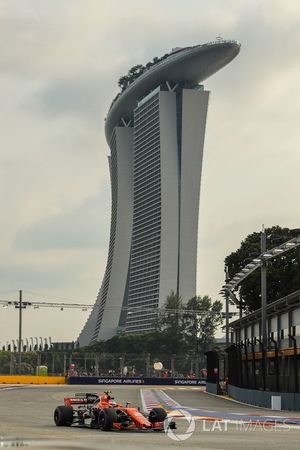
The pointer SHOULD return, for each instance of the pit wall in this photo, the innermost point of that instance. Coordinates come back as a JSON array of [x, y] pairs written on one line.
[[289, 401], [28, 379]]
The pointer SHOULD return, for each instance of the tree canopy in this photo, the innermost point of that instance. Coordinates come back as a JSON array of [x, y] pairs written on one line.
[[283, 272], [136, 71], [180, 328], [191, 326]]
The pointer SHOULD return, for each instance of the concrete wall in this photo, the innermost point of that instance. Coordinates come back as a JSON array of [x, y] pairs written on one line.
[[169, 195], [30, 379], [119, 246], [289, 401], [212, 388], [88, 330], [121, 251], [194, 110]]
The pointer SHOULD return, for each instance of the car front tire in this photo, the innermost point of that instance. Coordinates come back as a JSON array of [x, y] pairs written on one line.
[[106, 418]]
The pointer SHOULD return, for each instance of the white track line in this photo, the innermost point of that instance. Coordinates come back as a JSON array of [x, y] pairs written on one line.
[[144, 406]]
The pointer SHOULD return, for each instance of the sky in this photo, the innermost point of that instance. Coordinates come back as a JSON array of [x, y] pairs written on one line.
[[59, 67]]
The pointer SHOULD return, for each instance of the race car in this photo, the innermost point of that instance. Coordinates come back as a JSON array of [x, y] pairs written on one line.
[[103, 412]]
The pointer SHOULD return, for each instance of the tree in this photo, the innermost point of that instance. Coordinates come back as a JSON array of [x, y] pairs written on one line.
[[136, 71], [132, 75], [283, 272], [126, 343], [170, 324], [180, 329], [4, 362], [202, 318], [123, 82], [191, 326]]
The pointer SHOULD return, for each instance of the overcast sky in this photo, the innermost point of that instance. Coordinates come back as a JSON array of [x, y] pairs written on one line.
[[59, 65]]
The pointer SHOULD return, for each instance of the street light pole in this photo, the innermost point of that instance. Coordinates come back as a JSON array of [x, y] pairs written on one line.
[[226, 308], [264, 289], [20, 332], [264, 340], [240, 306], [20, 305]]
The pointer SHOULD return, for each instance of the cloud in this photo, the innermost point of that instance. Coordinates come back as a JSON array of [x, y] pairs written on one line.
[[79, 228], [60, 62], [78, 97], [36, 277]]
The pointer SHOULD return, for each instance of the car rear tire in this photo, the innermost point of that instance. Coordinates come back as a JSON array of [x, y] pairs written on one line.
[[157, 415], [106, 418], [63, 416]]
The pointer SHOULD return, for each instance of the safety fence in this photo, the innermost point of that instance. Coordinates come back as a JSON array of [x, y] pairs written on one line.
[[187, 366]]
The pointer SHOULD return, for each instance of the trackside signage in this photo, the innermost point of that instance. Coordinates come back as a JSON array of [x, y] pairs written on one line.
[[144, 381]]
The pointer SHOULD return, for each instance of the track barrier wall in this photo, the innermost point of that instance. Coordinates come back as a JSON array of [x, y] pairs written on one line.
[[253, 382], [289, 401], [28, 379], [212, 388], [137, 381]]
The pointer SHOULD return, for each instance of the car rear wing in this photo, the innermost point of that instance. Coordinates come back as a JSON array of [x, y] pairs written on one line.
[[81, 399]]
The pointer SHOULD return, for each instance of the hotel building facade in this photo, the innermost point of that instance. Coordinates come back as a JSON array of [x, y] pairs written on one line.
[[155, 130]]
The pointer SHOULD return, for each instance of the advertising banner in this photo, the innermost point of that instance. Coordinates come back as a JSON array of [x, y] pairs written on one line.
[[137, 381]]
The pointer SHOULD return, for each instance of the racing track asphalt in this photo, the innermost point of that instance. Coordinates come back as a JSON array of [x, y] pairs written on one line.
[[27, 412]]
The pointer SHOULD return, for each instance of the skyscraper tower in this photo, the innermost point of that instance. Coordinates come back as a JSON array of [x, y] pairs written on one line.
[[155, 129]]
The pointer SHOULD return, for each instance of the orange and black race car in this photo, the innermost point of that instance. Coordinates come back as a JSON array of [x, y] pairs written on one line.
[[103, 412]]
